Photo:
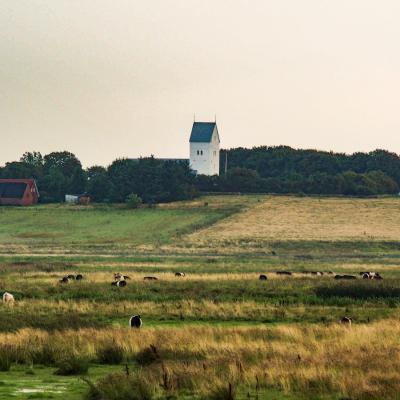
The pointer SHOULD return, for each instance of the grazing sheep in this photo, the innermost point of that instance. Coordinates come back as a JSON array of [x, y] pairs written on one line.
[[135, 321], [374, 275], [181, 274], [262, 277], [119, 283], [345, 277], [8, 298], [79, 277], [283, 273], [64, 279], [346, 321], [150, 278], [371, 275], [119, 277]]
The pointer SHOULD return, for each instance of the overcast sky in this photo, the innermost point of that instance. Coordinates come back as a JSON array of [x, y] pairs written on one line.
[[107, 79]]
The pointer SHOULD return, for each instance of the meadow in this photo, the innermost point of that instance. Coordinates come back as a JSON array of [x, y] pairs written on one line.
[[219, 332]]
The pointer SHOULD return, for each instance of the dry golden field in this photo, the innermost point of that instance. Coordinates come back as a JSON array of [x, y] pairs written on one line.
[[280, 218]]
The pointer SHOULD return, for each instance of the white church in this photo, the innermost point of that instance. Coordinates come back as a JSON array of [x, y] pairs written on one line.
[[204, 148]]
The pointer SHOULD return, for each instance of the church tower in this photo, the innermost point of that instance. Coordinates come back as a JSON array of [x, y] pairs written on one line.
[[204, 148]]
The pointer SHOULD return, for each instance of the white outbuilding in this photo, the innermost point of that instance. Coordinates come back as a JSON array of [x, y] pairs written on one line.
[[204, 148]]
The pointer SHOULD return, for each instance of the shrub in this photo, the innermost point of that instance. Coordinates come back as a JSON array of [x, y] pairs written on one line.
[[72, 365], [121, 387], [110, 354], [133, 201]]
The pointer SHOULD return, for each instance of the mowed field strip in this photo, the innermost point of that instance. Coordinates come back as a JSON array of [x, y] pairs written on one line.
[[280, 218]]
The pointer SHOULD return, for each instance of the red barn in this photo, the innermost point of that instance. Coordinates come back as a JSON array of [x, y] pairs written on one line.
[[18, 192]]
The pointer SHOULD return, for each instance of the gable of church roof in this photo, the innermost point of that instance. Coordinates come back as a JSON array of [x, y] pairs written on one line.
[[202, 132]]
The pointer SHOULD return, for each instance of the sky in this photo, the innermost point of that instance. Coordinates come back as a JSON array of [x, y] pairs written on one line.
[[109, 79]]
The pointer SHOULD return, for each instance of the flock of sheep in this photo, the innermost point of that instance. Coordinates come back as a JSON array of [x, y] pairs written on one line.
[[364, 274], [135, 321], [120, 280]]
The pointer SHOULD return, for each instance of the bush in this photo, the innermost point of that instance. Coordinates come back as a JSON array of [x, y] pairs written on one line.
[[121, 387], [133, 201], [110, 354], [72, 365]]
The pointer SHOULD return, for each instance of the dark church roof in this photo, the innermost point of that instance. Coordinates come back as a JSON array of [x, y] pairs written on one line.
[[202, 132]]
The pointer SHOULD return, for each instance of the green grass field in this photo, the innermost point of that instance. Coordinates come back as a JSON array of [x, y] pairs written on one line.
[[219, 325], [100, 229]]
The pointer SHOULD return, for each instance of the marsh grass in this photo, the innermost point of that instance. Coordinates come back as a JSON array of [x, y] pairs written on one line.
[[6, 357], [314, 359], [112, 353], [72, 364], [119, 386]]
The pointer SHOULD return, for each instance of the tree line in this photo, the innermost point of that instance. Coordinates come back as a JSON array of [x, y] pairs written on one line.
[[258, 170], [61, 173], [283, 169]]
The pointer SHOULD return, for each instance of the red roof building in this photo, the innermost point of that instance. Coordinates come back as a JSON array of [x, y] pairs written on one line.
[[18, 192]]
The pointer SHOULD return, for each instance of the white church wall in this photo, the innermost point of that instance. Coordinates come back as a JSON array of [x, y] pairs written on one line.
[[204, 157]]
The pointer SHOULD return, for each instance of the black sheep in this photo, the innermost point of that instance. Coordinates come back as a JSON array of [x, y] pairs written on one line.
[[345, 277], [135, 321]]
